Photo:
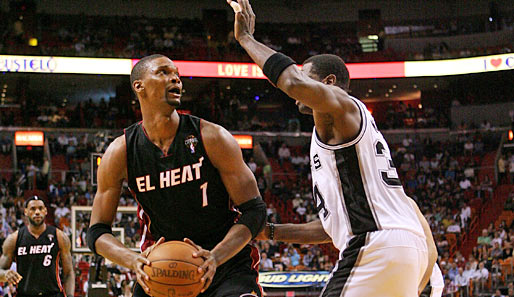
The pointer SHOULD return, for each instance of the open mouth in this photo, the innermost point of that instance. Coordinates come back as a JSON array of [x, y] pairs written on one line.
[[174, 91]]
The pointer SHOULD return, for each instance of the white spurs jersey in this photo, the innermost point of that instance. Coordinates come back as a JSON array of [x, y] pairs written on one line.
[[356, 187]]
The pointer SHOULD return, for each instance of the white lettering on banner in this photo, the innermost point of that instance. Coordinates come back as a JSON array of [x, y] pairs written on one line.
[[27, 64]]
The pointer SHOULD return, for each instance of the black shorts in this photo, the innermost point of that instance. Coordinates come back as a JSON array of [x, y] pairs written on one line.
[[237, 277]]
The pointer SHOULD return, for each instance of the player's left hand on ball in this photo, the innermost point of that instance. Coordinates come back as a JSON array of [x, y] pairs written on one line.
[[209, 266], [13, 277], [150, 249]]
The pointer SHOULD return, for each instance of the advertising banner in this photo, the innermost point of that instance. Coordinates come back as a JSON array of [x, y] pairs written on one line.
[[293, 279]]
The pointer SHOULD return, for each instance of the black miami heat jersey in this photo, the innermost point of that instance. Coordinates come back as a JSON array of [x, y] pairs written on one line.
[[37, 261], [180, 194]]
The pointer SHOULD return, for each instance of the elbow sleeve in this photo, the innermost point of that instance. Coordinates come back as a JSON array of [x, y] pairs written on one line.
[[94, 232], [253, 215]]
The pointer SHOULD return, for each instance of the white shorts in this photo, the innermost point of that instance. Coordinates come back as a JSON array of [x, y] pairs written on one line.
[[386, 263], [436, 282]]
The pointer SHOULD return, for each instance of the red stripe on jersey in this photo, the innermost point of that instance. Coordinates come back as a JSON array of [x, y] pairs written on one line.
[[57, 274], [256, 259], [147, 239]]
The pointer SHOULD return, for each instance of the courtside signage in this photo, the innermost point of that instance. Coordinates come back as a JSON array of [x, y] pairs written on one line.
[[459, 66], [297, 279], [26, 138], [35, 64], [244, 141]]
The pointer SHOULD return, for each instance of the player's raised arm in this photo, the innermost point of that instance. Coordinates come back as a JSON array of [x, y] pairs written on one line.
[[68, 274], [9, 246], [321, 96], [226, 156], [111, 173]]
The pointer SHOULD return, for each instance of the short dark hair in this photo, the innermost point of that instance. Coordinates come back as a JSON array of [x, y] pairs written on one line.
[[326, 64], [32, 198], [140, 68]]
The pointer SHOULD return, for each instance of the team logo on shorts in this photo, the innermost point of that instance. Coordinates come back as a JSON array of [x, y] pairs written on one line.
[[252, 294], [51, 237], [191, 143]]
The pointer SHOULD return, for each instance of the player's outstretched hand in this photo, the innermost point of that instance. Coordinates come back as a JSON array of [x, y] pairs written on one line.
[[244, 24], [13, 277], [209, 266], [139, 261]]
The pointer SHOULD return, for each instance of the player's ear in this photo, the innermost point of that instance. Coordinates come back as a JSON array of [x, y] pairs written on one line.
[[330, 79], [138, 86]]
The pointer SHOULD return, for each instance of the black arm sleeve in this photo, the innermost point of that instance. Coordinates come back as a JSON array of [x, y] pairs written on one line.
[[94, 232], [253, 215]]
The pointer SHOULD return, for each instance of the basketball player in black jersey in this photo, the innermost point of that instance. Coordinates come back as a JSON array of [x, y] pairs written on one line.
[[185, 174], [37, 248]]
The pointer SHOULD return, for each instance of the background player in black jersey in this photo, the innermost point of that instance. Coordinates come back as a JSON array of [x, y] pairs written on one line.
[[363, 212], [37, 248], [184, 172]]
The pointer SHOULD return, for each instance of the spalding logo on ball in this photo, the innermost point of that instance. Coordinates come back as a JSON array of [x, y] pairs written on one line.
[[174, 271]]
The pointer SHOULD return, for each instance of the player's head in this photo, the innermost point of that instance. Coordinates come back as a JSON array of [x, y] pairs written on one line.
[[328, 69], [156, 79], [35, 210]]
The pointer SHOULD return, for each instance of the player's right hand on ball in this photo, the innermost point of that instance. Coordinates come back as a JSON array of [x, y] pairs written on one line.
[[13, 277], [137, 266], [209, 265]]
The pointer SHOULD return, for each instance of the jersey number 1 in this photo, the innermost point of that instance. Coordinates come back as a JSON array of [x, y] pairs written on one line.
[[204, 194]]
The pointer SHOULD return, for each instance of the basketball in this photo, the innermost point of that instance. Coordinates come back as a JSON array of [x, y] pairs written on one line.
[[174, 271]]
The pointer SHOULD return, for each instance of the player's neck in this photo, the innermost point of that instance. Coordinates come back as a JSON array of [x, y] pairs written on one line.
[[161, 126], [37, 230]]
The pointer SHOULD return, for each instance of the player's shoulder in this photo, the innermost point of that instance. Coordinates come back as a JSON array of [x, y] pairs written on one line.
[[117, 148], [62, 239], [115, 157], [212, 132], [11, 239]]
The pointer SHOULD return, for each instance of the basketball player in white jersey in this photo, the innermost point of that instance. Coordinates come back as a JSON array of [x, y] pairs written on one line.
[[386, 246]]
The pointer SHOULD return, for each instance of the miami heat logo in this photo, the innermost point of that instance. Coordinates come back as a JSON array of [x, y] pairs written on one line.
[[51, 237], [191, 143]]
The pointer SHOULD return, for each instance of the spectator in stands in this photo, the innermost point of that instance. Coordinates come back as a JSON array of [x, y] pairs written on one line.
[[285, 260], [5, 145], [462, 283], [496, 252], [449, 287], [294, 256], [507, 251], [453, 271], [61, 211], [284, 154], [307, 258], [252, 165], [465, 214], [484, 239], [468, 148], [266, 264], [464, 183], [502, 166], [454, 227], [480, 277]]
